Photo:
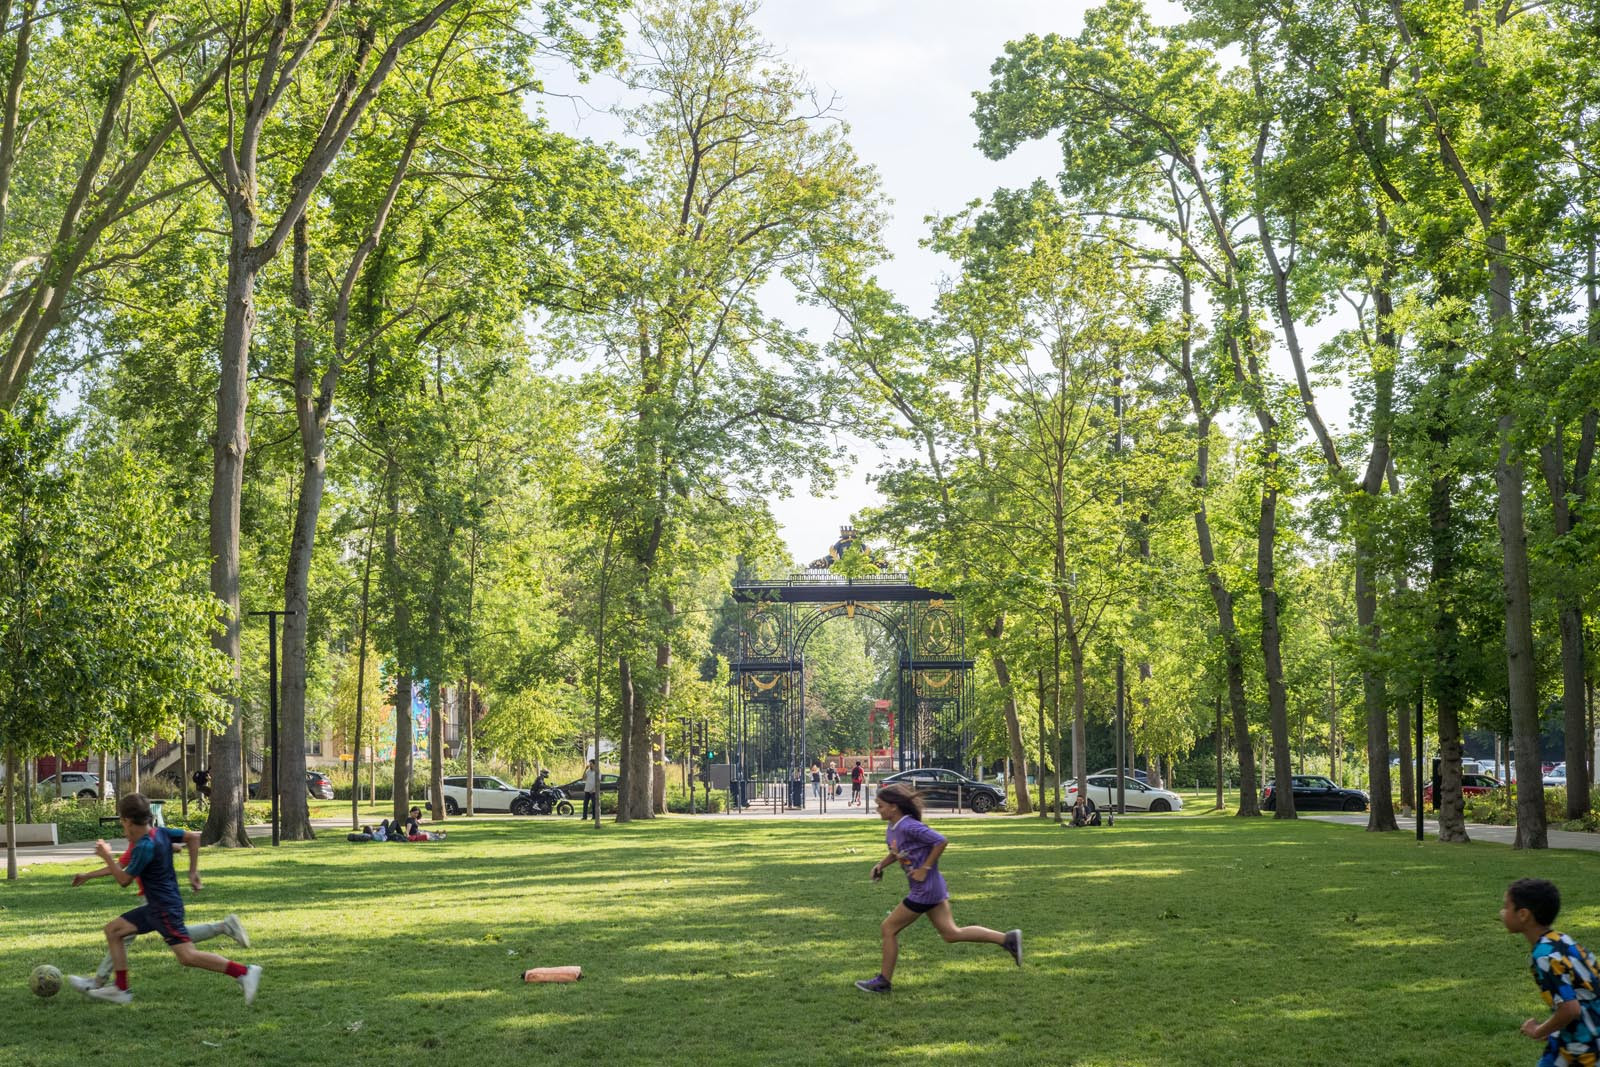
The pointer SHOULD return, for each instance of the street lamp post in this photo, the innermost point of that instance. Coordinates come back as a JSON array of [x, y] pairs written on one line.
[[272, 705]]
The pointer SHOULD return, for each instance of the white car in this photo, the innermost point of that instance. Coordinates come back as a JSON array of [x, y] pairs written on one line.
[[488, 794], [1136, 795], [1557, 778], [80, 784]]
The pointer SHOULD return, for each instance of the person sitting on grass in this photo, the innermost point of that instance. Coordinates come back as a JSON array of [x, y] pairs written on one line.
[[150, 861], [1084, 812], [917, 848], [1564, 971]]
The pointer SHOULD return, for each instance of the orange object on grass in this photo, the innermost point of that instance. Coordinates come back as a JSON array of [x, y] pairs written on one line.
[[552, 974]]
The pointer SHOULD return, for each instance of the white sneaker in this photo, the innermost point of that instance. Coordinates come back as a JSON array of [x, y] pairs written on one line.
[[82, 984], [110, 994], [235, 929], [250, 981]]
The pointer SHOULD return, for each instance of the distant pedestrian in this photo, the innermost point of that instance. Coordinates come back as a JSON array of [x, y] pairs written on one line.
[[202, 783], [917, 848], [816, 780], [857, 777], [591, 788], [832, 776], [1564, 971]]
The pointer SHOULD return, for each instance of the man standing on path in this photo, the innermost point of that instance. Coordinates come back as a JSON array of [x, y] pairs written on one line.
[[591, 788]]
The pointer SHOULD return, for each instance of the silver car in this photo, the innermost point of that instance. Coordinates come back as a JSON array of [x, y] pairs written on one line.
[[80, 784], [1136, 795]]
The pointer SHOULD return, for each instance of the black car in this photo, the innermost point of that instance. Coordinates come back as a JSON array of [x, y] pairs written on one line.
[[941, 788], [574, 788], [317, 785], [1313, 792]]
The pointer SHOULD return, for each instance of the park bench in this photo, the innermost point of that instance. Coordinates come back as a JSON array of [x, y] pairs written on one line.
[[32, 833], [157, 808]]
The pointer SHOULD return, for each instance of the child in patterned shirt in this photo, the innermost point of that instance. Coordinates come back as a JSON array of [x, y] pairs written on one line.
[[1563, 970], [917, 848]]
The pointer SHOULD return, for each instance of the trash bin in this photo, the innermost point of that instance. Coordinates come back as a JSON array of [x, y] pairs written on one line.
[[797, 793]]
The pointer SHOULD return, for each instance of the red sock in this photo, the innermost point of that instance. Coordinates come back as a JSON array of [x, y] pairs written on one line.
[[235, 970], [122, 981]]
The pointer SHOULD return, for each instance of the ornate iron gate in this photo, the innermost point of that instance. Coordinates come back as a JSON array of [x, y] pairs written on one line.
[[766, 705]]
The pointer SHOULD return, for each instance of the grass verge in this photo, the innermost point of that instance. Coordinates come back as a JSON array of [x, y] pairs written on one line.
[[1157, 941]]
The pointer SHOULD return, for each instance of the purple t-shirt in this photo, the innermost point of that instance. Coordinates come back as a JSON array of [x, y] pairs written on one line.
[[910, 842]]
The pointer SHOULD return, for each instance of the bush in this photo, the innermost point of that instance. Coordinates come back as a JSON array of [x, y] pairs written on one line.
[[1499, 808]]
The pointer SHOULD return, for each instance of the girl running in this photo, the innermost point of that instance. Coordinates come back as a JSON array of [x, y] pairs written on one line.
[[917, 848]]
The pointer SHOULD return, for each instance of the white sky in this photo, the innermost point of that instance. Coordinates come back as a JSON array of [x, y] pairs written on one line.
[[904, 72]]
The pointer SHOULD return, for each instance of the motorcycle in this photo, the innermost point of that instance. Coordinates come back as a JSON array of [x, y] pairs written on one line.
[[542, 801]]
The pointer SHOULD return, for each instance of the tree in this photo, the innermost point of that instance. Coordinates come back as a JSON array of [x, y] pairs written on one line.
[[104, 634]]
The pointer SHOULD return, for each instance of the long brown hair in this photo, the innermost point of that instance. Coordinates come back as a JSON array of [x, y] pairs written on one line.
[[908, 800]]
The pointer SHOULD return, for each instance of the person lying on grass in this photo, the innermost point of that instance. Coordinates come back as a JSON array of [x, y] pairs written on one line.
[[150, 861], [917, 848]]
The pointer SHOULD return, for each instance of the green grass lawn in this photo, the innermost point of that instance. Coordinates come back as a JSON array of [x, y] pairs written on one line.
[[1157, 941]]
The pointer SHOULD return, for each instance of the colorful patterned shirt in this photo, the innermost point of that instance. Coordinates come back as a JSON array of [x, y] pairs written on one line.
[[910, 842], [1564, 970]]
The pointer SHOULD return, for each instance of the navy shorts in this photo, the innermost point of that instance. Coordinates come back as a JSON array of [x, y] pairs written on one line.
[[922, 907], [151, 919]]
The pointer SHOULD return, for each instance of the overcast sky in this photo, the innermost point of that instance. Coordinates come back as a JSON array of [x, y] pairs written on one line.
[[904, 72]]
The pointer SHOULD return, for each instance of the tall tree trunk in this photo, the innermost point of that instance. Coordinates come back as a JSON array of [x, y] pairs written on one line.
[[294, 810], [1272, 640], [436, 753], [225, 820], [1221, 597], [1445, 655], [11, 811], [1374, 694], [1520, 667], [627, 779], [658, 739], [403, 743], [1022, 803], [1564, 494]]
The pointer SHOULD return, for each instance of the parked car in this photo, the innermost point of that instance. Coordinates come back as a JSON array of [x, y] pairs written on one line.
[[1471, 785], [1313, 792], [1136, 795], [574, 788], [488, 794], [80, 784], [944, 788], [1556, 777], [317, 785], [1143, 776]]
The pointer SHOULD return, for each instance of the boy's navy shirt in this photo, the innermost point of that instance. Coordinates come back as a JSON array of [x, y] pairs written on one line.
[[151, 862]]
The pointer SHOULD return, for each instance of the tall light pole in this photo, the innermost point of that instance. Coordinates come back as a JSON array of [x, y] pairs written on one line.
[[272, 705]]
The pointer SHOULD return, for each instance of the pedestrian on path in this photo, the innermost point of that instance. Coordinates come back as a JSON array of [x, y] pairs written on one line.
[[857, 776], [591, 788]]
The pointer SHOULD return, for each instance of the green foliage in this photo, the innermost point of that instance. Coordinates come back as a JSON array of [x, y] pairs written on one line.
[[106, 639]]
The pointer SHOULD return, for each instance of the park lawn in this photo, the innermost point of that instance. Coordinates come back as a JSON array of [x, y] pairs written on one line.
[[1157, 941]]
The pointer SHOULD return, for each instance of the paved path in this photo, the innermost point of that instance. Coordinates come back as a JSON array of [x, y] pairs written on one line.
[[83, 851], [1500, 835]]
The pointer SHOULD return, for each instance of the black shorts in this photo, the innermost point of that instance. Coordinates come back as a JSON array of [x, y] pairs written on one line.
[[921, 908], [150, 919]]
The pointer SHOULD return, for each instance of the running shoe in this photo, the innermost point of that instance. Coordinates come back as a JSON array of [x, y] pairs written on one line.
[[111, 994], [875, 984], [82, 984], [1013, 944], [235, 929], [250, 981]]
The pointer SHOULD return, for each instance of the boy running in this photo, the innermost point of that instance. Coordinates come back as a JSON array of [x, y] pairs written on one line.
[[197, 931], [1563, 970], [150, 861], [917, 848]]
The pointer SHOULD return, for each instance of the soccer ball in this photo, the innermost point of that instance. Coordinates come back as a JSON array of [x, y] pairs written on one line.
[[45, 980]]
